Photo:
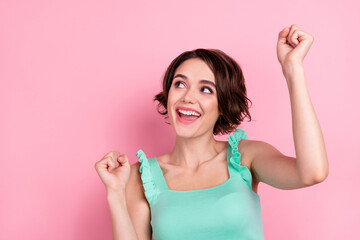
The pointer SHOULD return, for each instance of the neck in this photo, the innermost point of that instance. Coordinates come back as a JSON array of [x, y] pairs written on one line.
[[190, 153]]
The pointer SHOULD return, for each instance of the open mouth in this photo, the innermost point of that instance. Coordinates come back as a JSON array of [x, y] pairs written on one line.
[[188, 115]]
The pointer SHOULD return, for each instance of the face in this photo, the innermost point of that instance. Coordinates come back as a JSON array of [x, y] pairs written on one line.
[[192, 100]]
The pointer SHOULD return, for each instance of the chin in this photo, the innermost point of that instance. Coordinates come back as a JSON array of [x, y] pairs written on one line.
[[185, 132], [190, 130]]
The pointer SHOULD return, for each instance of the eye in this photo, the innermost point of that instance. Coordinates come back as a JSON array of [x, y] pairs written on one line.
[[207, 89], [178, 83]]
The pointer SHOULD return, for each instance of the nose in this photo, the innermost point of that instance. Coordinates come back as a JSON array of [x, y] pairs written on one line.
[[189, 96]]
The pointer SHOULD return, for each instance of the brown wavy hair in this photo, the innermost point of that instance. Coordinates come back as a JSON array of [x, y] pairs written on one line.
[[230, 87]]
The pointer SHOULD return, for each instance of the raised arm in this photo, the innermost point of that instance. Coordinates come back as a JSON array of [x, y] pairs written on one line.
[[310, 166]]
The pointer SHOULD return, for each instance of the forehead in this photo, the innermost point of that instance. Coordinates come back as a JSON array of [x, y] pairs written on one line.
[[195, 69]]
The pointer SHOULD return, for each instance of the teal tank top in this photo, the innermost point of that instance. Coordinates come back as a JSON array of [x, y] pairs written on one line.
[[230, 211]]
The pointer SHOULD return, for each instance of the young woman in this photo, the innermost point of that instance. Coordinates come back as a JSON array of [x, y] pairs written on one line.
[[204, 188]]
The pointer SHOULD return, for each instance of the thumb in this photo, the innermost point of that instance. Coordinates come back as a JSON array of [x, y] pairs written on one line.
[[123, 160]]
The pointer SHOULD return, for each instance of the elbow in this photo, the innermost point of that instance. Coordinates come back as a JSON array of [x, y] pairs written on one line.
[[320, 178], [316, 178]]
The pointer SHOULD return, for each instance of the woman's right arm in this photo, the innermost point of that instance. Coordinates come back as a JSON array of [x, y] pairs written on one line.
[[122, 227], [129, 209], [137, 204]]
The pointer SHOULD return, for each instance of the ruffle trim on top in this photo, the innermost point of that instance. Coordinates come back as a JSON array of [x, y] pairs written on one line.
[[235, 159], [151, 192]]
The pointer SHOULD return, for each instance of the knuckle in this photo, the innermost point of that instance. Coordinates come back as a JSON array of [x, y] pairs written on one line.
[[117, 154]]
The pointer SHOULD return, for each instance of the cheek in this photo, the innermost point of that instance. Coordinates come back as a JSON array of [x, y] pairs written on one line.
[[170, 95], [212, 107], [172, 98]]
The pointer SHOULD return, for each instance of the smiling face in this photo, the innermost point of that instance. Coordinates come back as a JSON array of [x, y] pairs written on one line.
[[192, 100]]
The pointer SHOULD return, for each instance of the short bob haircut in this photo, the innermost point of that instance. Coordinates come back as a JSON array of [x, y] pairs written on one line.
[[230, 87]]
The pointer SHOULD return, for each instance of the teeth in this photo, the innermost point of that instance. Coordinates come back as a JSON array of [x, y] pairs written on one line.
[[189, 113]]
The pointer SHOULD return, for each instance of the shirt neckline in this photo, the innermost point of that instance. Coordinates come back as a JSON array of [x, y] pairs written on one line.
[[203, 189]]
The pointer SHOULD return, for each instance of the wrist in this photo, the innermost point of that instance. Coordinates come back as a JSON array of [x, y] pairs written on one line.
[[115, 194], [291, 71]]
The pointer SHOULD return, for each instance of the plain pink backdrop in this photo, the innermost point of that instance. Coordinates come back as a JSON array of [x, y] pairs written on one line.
[[77, 80]]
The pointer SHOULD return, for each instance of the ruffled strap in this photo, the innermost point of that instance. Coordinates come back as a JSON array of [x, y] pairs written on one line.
[[151, 192], [235, 158]]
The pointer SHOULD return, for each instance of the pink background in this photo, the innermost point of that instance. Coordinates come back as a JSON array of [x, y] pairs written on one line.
[[77, 80]]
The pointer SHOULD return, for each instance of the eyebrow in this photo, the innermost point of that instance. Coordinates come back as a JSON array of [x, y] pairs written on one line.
[[201, 81]]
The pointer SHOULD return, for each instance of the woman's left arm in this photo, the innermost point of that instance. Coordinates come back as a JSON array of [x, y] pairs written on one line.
[[311, 164]]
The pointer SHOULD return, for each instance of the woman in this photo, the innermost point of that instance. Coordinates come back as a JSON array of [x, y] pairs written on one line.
[[204, 188]]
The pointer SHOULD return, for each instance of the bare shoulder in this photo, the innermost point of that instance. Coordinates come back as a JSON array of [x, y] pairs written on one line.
[[135, 172], [250, 148], [246, 149], [137, 204], [134, 188]]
